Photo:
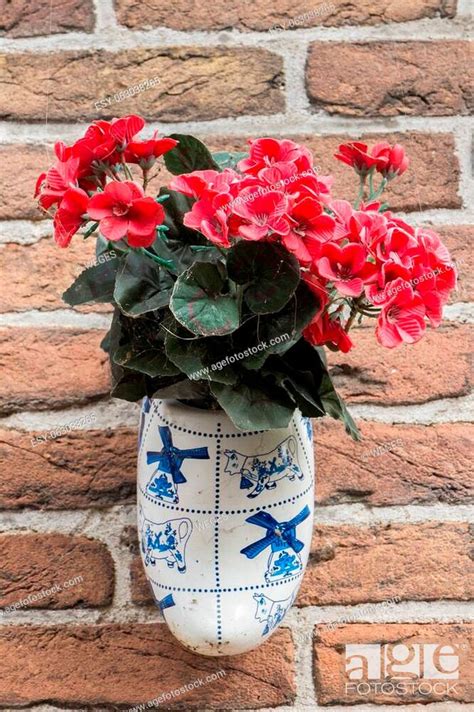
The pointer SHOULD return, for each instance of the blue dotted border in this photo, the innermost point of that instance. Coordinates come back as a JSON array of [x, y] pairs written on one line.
[[235, 589], [216, 532]]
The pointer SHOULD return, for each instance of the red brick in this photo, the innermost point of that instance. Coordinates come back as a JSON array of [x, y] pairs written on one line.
[[28, 18], [394, 464], [50, 367], [438, 366], [460, 242], [25, 163], [92, 468], [264, 15], [195, 83], [331, 678], [141, 591], [391, 78], [80, 569], [132, 664], [38, 274], [419, 562]]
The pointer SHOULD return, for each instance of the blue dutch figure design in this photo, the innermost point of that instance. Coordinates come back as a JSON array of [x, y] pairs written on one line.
[[271, 612], [284, 559], [263, 471], [168, 474], [166, 541]]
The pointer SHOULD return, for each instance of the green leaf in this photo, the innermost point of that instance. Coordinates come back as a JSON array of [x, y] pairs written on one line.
[[141, 285], [335, 406], [270, 274], [228, 159], [151, 362], [254, 407], [201, 301], [94, 284], [200, 359], [189, 155]]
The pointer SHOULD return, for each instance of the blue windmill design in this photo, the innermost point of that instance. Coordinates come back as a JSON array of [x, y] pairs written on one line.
[[168, 475], [284, 559]]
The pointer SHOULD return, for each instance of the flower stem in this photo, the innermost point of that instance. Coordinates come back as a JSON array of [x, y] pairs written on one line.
[[159, 260]]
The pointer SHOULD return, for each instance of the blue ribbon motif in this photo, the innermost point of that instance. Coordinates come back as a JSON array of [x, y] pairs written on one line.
[[170, 458], [279, 536]]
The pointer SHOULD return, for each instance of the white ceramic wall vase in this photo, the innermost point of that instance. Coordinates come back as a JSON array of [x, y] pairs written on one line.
[[225, 521]]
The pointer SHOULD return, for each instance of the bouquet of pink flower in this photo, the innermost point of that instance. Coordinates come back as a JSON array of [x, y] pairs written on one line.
[[227, 285]]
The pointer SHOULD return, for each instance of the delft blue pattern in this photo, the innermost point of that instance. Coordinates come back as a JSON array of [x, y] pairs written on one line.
[[271, 612], [146, 405], [166, 541], [264, 471], [284, 559], [168, 475], [308, 424]]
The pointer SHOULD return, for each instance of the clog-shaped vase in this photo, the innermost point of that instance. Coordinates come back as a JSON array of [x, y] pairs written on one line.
[[225, 521]]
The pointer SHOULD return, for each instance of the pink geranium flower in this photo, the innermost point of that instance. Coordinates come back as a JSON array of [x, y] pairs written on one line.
[[402, 318], [264, 214], [310, 228], [123, 211], [346, 267]]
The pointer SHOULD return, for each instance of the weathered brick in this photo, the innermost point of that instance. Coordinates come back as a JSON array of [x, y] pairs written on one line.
[[438, 366], [419, 562], [391, 78], [130, 664], [141, 591], [265, 15], [394, 464], [460, 242], [28, 18], [51, 367], [91, 468], [331, 677], [38, 274], [20, 166], [195, 83], [79, 571]]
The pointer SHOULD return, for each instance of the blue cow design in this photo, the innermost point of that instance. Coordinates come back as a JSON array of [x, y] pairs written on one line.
[[166, 541], [168, 475], [284, 559], [264, 471], [271, 612]]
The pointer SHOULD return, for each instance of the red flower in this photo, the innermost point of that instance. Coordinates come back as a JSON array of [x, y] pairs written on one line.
[[391, 161], [326, 331], [106, 140], [310, 228], [263, 213], [124, 211], [145, 153], [210, 220], [357, 155], [52, 185], [70, 215], [267, 152], [346, 267], [402, 318]]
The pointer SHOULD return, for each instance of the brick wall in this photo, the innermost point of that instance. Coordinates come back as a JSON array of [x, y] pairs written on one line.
[[393, 512]]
